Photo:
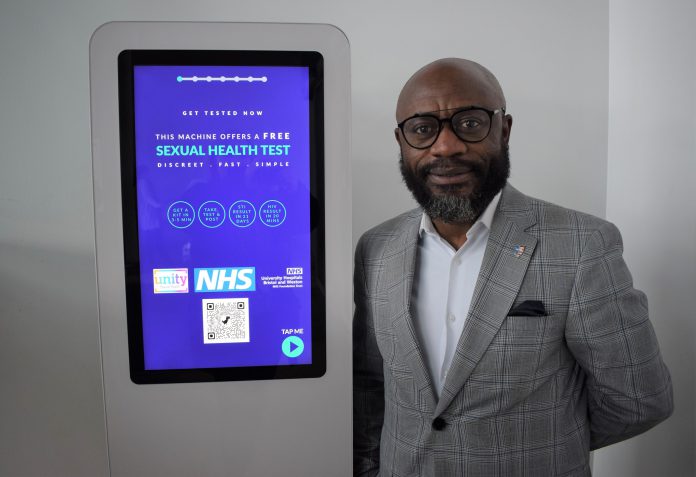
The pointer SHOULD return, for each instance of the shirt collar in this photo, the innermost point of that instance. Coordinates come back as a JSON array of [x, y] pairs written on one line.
[[484, 220]]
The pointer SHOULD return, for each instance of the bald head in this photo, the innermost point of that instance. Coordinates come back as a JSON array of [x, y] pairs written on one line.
[[442, 83]]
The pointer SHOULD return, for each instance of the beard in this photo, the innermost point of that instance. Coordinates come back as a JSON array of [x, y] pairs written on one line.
[[450, 205]]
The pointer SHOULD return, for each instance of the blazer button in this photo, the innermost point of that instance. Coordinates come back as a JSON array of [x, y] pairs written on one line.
[[439, 423]]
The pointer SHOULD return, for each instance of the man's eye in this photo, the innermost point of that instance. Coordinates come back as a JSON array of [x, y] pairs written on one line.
[[468, 123], [421, 129]]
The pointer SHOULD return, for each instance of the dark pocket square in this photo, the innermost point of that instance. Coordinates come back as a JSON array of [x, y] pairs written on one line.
[[529, 308]]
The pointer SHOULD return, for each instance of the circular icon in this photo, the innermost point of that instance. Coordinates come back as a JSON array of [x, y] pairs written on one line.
[[293, 346], [181, 214], [211, 214], [242, 213], [272, 213]]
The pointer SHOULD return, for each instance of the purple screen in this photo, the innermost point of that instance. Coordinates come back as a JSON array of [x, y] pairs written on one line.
[[223, 194]]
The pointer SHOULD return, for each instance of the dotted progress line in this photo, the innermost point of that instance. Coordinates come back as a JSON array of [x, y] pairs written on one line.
[[222, 79]]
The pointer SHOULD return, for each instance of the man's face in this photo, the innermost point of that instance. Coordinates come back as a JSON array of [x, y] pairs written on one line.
[[453, 180], [457, 191]]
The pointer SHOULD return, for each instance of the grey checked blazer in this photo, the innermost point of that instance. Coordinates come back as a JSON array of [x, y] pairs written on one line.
[[525, 395]]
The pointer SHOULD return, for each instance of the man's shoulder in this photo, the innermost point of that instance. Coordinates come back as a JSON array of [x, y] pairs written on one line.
[[558, 228], [397, 224], [548, 215], [402, 227]]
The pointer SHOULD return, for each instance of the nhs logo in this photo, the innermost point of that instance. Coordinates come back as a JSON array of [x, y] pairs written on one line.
[[225, 279]]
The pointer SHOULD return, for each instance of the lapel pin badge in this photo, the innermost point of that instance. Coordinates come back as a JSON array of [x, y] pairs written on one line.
[[519, 250]]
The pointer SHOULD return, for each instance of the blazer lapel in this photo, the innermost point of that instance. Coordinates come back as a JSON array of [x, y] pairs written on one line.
[[505, 263], [402, 254]]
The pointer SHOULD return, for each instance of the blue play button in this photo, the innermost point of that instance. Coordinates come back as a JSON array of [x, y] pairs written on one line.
[[293, 346]]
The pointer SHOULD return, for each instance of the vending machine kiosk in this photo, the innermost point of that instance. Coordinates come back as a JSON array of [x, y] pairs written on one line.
[[221, 163]]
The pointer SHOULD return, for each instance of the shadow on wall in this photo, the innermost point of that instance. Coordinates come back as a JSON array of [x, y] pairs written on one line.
[[49, 363], [378, 177]]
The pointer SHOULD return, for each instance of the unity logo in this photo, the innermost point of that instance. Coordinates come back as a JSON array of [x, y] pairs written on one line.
[[170, 280], [225, 279]]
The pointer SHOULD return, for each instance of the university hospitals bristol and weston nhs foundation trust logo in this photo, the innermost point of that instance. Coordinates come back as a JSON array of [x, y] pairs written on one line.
[[176, 280]]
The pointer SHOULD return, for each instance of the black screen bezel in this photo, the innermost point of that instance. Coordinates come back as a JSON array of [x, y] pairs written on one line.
[[127, 60]]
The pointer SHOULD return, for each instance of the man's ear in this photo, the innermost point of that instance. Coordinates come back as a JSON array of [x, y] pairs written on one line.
[[396, 135], [507, 127]]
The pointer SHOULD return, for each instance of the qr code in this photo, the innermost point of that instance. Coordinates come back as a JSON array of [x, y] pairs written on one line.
[[226, 320]]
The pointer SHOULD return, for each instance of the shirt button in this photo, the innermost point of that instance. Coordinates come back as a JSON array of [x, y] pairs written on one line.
[[439, 423], [452, 317]]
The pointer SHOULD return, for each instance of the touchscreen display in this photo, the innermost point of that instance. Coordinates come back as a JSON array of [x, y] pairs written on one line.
[[222, 189]]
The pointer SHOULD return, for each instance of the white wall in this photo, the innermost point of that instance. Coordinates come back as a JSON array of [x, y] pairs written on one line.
[[652, 172], [553, 59]]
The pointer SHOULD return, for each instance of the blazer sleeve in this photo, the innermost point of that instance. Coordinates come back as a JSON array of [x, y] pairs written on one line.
[[368, 382], [612, 339]]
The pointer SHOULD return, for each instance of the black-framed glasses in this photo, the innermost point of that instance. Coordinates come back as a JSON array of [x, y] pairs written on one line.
[[471, 124]]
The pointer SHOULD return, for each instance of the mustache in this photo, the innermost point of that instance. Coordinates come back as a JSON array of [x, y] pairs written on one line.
[[451, 166]]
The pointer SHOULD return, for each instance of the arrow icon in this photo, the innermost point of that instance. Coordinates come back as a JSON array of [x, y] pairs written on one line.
[[293, 346]]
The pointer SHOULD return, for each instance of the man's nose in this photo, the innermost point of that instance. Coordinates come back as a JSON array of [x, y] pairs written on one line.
[[447, 143]]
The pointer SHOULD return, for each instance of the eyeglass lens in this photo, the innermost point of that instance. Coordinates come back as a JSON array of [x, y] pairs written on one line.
[[471, 125]]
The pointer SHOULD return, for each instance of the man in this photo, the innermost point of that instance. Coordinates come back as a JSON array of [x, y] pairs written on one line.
[[494, 334]]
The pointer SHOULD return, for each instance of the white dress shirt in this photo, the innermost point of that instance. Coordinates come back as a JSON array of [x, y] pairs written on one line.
[[443, 286]]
